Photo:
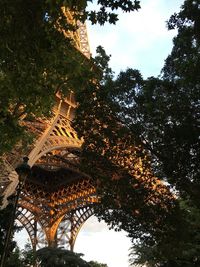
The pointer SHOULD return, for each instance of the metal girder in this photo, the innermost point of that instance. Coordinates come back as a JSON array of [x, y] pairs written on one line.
[[57, 198], [83, 36], [64, 232], [28, 221], [78, 217]]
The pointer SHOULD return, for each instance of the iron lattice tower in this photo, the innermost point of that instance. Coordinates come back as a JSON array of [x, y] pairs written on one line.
[[56, 198]]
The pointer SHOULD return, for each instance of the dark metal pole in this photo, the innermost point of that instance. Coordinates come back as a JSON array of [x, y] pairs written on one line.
[[23, 171], [35, 243], [11, 225]]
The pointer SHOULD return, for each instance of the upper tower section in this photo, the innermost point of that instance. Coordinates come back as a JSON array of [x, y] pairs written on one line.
[[79, 36]]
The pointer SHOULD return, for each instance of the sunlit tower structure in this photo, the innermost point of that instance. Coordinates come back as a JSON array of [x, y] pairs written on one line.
[[57, 198]]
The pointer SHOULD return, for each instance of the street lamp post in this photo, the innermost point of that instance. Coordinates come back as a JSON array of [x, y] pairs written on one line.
[[23, 170]]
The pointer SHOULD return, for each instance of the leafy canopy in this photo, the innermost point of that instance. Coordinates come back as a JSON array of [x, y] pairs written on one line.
[[141, 129], [38, 58]]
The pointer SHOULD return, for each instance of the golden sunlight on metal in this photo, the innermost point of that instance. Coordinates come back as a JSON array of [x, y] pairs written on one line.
[[57, 195], [79, 36], [57, 198]]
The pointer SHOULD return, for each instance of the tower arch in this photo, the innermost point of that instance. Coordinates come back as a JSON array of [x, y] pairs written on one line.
[[56, 195]]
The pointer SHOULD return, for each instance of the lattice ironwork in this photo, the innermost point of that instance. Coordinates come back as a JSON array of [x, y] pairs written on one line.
[[79, 216], [56, 197], [54, 204], [28, 221], [71, 225], [59, 135], [66, 231], [84, 44], [63, 234], [80, 36], [8, 181]]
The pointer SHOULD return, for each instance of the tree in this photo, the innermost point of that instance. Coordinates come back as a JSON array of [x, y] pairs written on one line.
[[157, 121], [132, 198], [5, 215], [141, 134], [177, 248], [47, 256], [61, 257], [57, 257], [38, 58], [168, 108], [28, 256], [97, 264], [14, 259], [106, 8]]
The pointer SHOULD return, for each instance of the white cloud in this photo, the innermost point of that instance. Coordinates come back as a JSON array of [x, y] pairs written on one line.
[[98, 243], [93, 226], [139, 39]]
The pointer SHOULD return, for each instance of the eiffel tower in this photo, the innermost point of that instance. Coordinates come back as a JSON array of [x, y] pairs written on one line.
[[57, 198]]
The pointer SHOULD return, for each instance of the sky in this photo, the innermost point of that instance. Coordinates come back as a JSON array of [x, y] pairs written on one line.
[[139, 40], [98, 243]]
